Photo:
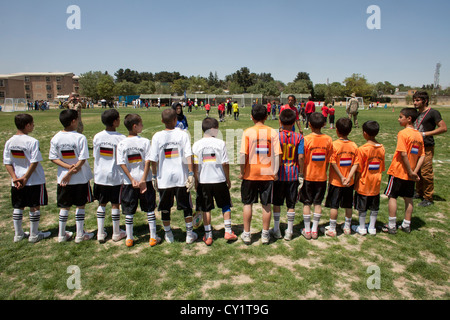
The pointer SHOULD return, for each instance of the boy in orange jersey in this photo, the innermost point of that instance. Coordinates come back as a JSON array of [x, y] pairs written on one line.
[[340, 187], [369, 165], [259, 164], [403, 171], [318, 148]]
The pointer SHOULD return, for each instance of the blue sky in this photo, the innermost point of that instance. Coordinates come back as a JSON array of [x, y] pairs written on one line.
[[328, 39]]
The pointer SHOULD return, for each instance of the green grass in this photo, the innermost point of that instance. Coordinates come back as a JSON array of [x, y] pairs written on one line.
[[412, 266]]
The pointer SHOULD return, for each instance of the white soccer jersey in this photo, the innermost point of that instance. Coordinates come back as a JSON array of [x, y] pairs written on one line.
[[70, 147], [106, 170], [21, 151], [170, 148], [210, 153], [133, 152]]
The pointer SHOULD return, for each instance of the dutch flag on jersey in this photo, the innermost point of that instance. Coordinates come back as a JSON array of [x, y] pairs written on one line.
[[415, 149], [318, 156], [345, 162], [262, 149], [374, 165]]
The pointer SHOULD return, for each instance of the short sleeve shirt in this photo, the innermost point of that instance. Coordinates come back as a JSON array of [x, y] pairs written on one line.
[[344, 155], [370, 159], [427, 121], [318, 150]]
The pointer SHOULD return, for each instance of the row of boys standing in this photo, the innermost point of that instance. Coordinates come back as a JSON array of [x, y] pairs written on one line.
[[303, 169]]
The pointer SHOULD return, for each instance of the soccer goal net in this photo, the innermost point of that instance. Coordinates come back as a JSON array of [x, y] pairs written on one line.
[[12, 105]]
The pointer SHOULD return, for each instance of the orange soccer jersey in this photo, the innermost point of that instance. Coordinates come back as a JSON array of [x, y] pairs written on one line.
[[370, 158], [409, 140], [344, 154], [261, 144], [318, 150]]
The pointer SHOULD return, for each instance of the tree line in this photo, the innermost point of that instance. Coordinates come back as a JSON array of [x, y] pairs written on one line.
[[101, 85]]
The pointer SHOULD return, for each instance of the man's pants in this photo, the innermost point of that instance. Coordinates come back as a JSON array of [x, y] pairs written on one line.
[[425, 187]]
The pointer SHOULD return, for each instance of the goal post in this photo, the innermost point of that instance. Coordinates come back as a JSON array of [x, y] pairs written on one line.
[[13, 105]]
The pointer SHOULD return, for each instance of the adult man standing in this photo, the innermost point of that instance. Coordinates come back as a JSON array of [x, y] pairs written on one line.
[[426, 123], [352, 109], [292, 100], [309, 109], [74, 104]]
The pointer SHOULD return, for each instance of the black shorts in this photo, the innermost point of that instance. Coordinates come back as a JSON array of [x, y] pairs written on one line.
[[131, 196], [166, 201], [339, 197], [364, 203], [29, 196], [207, 193], [313, 192], [74, 195], [397, 187], [105, 194], [251, 189], [285, 190], [332, 118]]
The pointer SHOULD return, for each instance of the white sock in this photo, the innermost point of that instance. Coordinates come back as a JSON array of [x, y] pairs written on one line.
[[316, 219], [276, 221], [167, 228], [392, 222], [307, 222], [151, 218], [189, 228], [129, 226], [265, 233], [348, 222], [17, 220], [63, 215], [208, 231], [79, 220], [373, 219], [406, 223], [34, 222], [115, 215], [290, 218], [101, 219], [332, 225], [227, 225], [362, 219]]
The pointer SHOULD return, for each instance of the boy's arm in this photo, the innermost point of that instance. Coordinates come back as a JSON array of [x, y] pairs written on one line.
[[190, 181], [347, 180], [143, 182], [12, 173], [338, 172], [226, 169], [73, 169], [154, 166], [23, 180], [411, 174], [242, 161], [419, 164], [125, 170]]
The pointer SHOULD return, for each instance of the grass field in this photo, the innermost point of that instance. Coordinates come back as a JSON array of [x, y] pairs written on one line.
[[411, 266]]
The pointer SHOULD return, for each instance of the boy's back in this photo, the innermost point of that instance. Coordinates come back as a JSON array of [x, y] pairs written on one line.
[[170, 148], [410, 141], [20, 151], [344, 154], [292, 143], [210, 153], [318, 150], [370, 158], [71, 147], [261, 144], [133, 152], [106, 170]]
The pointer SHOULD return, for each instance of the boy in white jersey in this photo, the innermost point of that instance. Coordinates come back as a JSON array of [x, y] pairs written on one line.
[[108, 175], [21, 158], [212, 178], [69, 151], [173, 175], [133, 156]]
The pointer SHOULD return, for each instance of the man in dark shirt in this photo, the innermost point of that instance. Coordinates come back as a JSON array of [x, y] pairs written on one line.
[[426, 123]]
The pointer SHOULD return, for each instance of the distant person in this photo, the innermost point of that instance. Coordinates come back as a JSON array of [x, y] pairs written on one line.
[[291, 105], [182, 122], [310, 108], [352, 109], [74, 104]]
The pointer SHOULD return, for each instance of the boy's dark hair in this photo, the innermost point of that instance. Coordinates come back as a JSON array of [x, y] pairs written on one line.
[[410, 112], [131, 120], [287, 117], [67, 116], [168, 116], [210, 123], [259, 112], [344, 126], [21, 120], [317, 120], [422, 95], [292, 96], [109, 116], [371, 128]]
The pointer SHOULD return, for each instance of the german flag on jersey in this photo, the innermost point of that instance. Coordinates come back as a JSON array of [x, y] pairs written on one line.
[[209, 157], [68, 154], [18, 154], [171, 153], [106, 152], [134, 158]]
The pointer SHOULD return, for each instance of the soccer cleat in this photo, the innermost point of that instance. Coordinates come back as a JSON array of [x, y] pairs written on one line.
[[265, 239], [191, 237], [154, 241], [208, 241], [425, 203], [357, 229], [276, 234], [21, 237], [101, 237], [39, 237], [307, 235], [386, 228], [288, 235], [230, 236], [246, 238], [169, 237], [84, 237], [129, 242], [65, 237], [346, 231], [371, 231], [121, 235], [329, 232], [404, 229]]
